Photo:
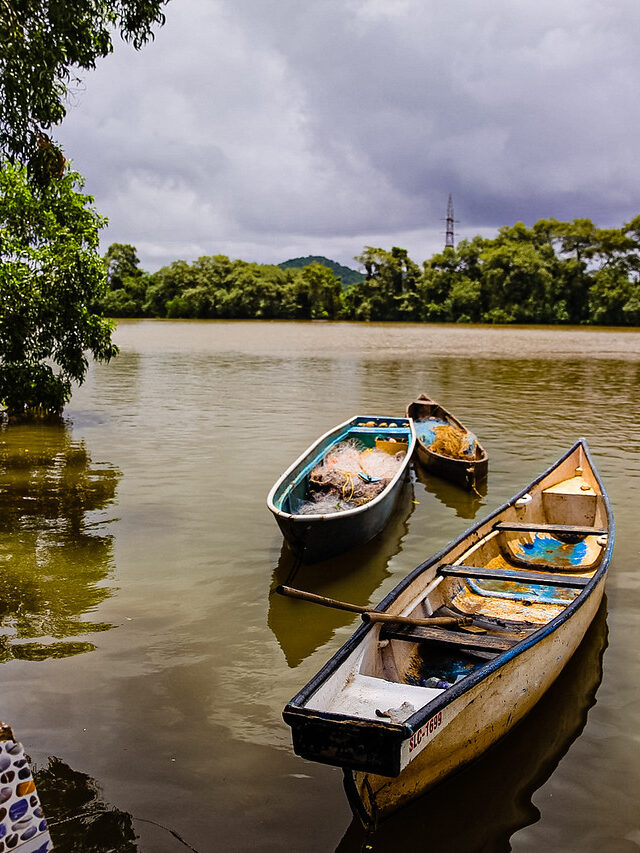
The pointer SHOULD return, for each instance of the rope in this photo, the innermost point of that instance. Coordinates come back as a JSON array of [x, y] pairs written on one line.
[[365, 453], [167, 829], [348, 480], [295, 568], [473, 488], [373, 822]]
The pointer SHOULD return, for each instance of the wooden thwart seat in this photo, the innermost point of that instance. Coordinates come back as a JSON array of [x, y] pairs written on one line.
[[415, 634], [531, 527], [533, 578]]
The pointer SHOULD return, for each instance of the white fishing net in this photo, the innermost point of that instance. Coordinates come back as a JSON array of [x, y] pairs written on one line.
[[350, 475]]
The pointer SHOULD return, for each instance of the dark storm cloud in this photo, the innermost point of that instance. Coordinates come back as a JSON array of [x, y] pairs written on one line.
[[525, 109], [265, 128]]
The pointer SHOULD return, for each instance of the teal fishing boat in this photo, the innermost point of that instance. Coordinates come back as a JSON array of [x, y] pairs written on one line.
[[341, 492]]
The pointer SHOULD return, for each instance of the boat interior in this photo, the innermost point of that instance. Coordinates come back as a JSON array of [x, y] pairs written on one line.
[[428, 416], [390, 434], [522, 571]]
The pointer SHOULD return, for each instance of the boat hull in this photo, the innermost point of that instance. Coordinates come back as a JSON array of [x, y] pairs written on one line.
[[462, 472], [333, 534], [477, 719]]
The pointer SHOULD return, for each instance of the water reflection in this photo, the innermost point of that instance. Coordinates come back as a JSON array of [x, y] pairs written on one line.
[[479, 809], [300, 627], [79, 819], [54, 553], [465, 503]]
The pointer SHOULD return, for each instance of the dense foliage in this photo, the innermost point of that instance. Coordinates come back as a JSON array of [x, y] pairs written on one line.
[[218, 287], [43, 44], [554, 272], [51, 276]]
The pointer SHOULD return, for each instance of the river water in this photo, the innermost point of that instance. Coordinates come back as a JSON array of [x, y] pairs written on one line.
[[146, 660]]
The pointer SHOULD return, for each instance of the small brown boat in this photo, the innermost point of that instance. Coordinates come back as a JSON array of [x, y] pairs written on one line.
[[445, 447]]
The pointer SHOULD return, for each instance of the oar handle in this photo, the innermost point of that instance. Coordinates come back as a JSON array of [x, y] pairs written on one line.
[[292, 592], [369, 615], [428, 622]]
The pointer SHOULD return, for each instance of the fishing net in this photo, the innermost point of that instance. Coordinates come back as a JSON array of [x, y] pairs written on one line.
[[451, 441], [319, 504], [350, 476]]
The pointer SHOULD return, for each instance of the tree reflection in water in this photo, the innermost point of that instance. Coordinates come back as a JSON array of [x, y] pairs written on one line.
[[81, 821], [78, 818], [54, 553]]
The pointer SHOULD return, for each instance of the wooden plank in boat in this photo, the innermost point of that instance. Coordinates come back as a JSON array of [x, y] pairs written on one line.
[[532, 527], [452, 638], [533, 578]]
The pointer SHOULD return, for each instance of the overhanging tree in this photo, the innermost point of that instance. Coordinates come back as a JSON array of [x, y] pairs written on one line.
[[44, 44], [50, 276]]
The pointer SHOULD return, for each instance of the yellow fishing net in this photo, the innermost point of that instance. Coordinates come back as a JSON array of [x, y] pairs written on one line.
[[451, 441]]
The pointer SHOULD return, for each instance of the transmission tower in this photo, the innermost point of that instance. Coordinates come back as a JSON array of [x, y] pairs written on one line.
[[449, 241]]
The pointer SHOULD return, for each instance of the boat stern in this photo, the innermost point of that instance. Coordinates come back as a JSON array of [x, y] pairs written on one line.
[[346, 742]]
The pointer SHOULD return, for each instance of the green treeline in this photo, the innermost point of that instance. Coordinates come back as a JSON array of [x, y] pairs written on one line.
[[216, 287], [554, 272]]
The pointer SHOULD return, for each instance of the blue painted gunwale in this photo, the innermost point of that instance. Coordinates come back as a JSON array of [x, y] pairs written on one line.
[[295, 710], [317, 536]]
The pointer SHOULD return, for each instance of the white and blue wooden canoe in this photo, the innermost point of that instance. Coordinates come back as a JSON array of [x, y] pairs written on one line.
[[403, 704], [314, 537]]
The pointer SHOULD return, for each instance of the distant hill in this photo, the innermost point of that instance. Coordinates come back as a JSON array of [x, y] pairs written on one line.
[[347, 275]]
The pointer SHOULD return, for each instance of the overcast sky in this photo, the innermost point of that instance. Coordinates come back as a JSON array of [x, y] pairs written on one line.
[[269, 129]]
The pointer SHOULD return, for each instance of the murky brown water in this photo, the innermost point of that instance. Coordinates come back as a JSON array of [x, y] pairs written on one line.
[[145, 663]]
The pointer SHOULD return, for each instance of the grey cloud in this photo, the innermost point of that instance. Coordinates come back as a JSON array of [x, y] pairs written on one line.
[[265, 125]]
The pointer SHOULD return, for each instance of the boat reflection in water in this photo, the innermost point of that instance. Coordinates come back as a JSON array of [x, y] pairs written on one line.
[[300, 627], [494, 794], [465, 503]]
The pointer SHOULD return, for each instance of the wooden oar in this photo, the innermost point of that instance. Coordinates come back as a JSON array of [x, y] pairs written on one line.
[[292, 592], [369, 615], [427, 622]]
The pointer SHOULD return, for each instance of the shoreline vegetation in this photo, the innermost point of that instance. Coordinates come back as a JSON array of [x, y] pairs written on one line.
[[568, 273]]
